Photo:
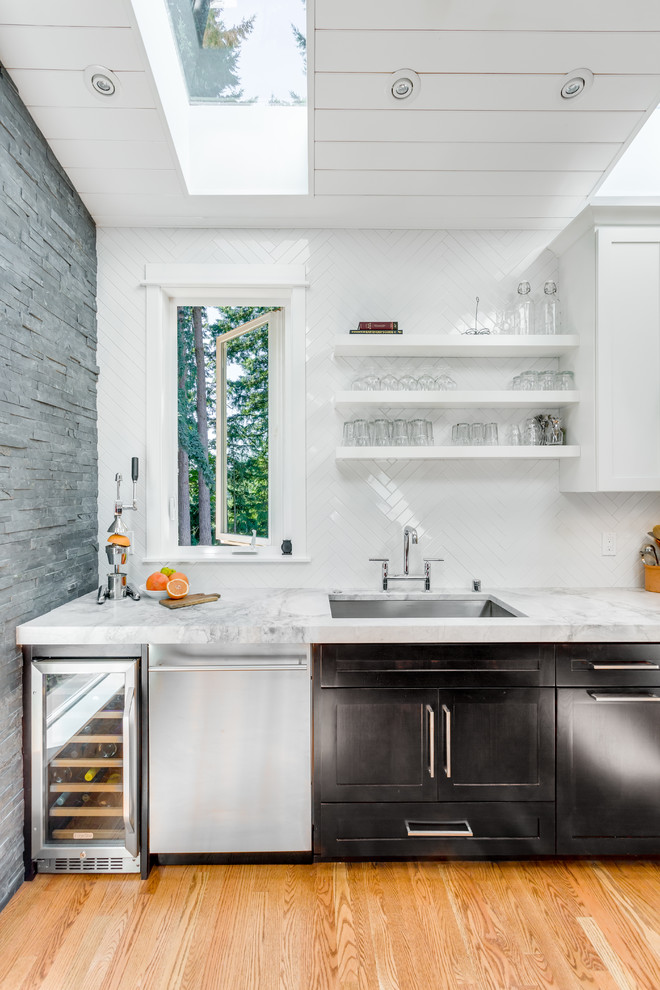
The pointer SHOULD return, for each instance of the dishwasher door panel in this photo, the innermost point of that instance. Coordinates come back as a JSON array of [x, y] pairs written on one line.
[[229, 759]]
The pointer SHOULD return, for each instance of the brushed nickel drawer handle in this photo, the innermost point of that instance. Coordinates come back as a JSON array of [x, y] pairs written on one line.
[[431, 715], [618, 665], [459, 829], [447, 715], [623, 697]]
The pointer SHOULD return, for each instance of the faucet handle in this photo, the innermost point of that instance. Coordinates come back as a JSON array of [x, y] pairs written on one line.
[[427, 560], [427, 571], [385, 574]]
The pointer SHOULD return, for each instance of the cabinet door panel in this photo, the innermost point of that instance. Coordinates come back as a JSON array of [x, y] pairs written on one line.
[[497, 745], [376, 745], [608, 757]]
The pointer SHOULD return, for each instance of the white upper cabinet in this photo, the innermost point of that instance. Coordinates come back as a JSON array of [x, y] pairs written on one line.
[[610, 285]]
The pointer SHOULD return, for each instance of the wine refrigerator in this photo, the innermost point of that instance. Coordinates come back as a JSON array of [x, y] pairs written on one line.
[[83, 783]]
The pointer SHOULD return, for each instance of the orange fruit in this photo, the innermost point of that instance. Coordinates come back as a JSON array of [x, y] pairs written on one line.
[[179, 576], [119, 540], [177, 588], [156, 582]]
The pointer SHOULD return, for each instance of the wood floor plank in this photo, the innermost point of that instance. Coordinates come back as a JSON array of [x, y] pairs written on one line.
[[553, 907], [555, 925]]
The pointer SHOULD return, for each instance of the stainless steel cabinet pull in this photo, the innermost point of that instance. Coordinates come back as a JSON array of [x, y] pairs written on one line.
[[170, 669], [431, 715], [447, 715], [618, 665], [624, 697], [440, 829]]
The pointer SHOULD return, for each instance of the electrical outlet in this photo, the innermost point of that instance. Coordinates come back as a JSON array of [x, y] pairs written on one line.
[[608, 544]]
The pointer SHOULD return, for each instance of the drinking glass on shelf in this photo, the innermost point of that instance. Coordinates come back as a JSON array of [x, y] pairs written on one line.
[[515, 439], [429, 432], [381, 432], [359, 384], [348, 436], [490, 435], [532, 432], [565, 380], [547, 381], [418, 433], [361, 433], [461, 433], [426, 383], [528, 381], [389, 383], [400, 436], [408, 383], [477, 434], [445, 383], [516, 383], [371, 382]]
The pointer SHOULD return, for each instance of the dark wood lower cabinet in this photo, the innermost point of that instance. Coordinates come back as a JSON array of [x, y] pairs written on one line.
[[511, 751], [608, 771]]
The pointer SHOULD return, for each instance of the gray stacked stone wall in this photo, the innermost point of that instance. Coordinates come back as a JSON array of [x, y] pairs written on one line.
[[48, 437]]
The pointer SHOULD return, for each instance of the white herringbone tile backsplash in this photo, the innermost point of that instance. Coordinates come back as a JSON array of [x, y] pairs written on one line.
[[504, 522]]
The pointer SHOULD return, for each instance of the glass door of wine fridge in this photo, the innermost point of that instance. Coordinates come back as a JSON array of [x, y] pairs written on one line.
[[84, 765]]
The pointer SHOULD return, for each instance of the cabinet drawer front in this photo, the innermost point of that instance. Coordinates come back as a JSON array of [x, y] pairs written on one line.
[[438, 665], [435, 830], [613, 664]]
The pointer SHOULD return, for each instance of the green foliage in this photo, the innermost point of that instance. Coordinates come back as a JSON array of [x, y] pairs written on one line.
[[247, 417]]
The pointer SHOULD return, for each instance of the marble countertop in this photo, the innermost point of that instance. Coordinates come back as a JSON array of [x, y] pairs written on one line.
[[303, 616]]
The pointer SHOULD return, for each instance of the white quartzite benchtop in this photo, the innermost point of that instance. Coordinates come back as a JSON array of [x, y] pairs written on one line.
[[303, 616]]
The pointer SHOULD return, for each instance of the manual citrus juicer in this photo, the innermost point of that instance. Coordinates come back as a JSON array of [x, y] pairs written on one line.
[[117, 585]]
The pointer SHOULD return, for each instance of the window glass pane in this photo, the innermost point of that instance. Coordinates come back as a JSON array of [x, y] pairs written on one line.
[[242, 51], [223, 424]]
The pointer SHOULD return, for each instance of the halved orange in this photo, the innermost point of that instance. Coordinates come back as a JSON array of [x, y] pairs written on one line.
[[119, 540], [177, 588]]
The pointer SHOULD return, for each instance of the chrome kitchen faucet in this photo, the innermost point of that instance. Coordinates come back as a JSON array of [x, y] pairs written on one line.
[[409, 536]]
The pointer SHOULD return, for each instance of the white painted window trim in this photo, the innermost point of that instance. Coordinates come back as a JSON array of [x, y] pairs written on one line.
[[167, 286]]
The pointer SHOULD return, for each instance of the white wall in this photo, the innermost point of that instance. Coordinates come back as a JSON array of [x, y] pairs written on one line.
[[504, 522]]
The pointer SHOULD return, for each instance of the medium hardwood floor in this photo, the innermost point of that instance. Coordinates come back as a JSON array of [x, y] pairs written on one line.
[[356, 926]]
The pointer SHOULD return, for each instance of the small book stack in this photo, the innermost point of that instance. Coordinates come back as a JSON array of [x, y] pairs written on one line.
[[387, 326]]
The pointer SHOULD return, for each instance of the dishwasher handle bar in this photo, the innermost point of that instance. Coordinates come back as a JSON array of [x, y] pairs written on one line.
[[197, 668]]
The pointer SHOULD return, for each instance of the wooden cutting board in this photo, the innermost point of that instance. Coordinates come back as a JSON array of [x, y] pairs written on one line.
[[188, 600]]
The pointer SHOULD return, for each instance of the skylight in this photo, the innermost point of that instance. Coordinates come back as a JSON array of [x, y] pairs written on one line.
[[637, 173], [242, 51], [231, 75]]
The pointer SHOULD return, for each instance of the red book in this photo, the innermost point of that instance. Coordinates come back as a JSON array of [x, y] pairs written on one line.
[[382, 325]]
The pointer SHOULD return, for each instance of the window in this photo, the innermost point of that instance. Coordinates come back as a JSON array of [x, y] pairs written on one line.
[[226, 443]]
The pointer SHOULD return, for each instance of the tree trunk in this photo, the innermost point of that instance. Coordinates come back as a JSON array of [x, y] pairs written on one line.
[[183, 486], [183, 499], [202, 429]]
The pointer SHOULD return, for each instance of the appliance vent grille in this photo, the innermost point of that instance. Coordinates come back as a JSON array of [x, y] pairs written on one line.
[[91, 864]]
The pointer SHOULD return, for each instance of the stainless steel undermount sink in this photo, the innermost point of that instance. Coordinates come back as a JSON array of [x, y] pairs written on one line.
[[420, 607]]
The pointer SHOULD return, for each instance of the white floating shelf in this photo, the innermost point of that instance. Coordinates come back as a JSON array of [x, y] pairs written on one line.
[[437, 453], [453, 345], [455, 399]]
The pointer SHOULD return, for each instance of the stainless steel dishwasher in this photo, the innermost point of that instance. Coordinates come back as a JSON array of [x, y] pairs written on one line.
[[229, 749]]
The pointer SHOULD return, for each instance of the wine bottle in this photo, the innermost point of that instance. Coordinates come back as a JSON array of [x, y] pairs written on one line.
[[106, 750], [60, 775], [91, 773]]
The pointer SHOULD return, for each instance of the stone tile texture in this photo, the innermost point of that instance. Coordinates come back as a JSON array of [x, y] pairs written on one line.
[[48, 435]]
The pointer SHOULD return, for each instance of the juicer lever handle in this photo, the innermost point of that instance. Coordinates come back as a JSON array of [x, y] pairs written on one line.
[[134, 468]]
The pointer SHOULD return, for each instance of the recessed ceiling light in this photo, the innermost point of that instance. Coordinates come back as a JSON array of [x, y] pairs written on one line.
[[404, 84], [575, 83], [100, 81]]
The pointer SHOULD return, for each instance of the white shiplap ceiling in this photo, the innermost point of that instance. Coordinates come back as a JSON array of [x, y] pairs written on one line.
[[487, 143]]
